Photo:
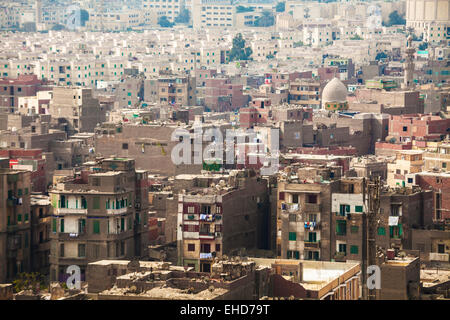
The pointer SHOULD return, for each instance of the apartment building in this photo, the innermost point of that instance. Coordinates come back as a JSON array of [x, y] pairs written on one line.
[[207, 14], [401, 172], [303, 219], [122, 20], [173, 90], [305, 93], [11, 89], [401, 211], [158, 8], [15, 224], [228, 217], [40, 233], [76, 110], [99, 214]]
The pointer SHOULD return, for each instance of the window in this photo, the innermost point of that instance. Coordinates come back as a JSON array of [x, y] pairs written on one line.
[[81, 250], [342, 247], [96, 204], [395, 231], [354, 229], [358, 208], [312, 237], [191, 247], [381, 231], [292, 236], [343, 208], [405, 129], [292, 218], [62, 225], [293, 254], [217, 247], [125, 146], [96, 227], [354, 249], [53, 226], [19, 218], [61, 249], [341, 227]]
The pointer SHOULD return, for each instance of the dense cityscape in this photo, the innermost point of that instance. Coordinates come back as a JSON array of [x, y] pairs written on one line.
[[224, 150]]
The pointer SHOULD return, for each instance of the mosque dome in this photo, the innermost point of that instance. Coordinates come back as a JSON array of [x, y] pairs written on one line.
[[334, 91]]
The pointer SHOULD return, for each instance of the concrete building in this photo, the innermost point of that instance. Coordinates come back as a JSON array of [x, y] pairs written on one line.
[[233, 216], [75, 110], [229, 279], [400, 172], [15, 189], [400, 279], [11, 89], [305, 93], [207, 14], [101, 213], [40, 233], [313, 280]]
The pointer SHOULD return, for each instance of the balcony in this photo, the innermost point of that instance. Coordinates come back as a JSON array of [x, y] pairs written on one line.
[[117, 211], [206, 255], [311, 207], [312, 245], [206, 235], [340, 256], [443, 257], [71, 236], [70, 211], [312, 225], [207, 217]]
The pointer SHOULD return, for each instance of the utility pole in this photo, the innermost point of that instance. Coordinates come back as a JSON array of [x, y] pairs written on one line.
[[371, 200]]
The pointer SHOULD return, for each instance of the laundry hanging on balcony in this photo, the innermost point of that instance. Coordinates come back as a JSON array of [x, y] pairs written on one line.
[[310, 225]]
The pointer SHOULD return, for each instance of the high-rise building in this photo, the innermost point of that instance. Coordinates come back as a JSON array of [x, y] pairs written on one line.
[[100, 214]]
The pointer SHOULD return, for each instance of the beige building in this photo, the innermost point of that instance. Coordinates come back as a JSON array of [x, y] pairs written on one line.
[[400, 173], [99, 214], [431, 18], [208, 14]]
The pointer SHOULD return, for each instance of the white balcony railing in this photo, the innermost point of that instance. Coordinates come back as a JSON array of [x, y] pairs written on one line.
[[71, 211], [116, 211]]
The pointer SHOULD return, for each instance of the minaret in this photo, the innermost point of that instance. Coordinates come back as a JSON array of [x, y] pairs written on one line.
[[38, 11], [408, 65]]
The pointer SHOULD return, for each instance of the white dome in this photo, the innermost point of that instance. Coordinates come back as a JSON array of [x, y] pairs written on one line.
[[334, 91]]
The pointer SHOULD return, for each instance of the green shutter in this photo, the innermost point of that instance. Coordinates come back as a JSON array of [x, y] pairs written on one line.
[[19, 217], [96, 204], [347, 208], [54, 225], [354, 229], [354, 249], [292, 236], [391, 231], [96, 226], [381, 231], [400, 229], [358, 208], [62, 225], [122, 224]]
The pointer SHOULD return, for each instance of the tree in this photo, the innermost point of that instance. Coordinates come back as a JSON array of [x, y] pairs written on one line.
[[84, 17], [423, 46], [281, 7], [239, 51], [34, 281], [356, 37], [240, 9], [58, 27], [381, 55], [183, 17], [266, 20], [395, 19], [164, 22]]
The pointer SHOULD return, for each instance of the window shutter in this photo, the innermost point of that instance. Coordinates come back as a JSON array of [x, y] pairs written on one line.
[[96, 226], [62, 225]]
